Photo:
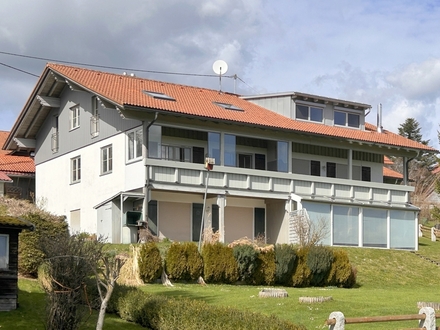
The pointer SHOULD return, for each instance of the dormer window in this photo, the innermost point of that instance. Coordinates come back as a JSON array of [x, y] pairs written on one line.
[[309, 113], [346, 119]]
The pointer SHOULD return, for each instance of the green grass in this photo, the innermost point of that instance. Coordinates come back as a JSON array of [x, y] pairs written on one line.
[[389, 283], [30, 313]]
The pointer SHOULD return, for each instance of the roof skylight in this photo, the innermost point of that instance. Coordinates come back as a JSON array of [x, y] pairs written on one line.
[[228, 106], [160, 96]]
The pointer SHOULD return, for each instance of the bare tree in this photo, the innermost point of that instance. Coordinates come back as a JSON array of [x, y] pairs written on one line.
[[308, 232]]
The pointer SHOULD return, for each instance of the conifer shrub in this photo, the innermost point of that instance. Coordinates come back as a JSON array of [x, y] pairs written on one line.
[[219, 264], [183, 262], [319, 261], [47, 228], [246, 257], [149, 262], [285, 256], [266, 268], [302, 275]]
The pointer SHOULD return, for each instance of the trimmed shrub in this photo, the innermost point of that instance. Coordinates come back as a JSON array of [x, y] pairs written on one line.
[[184, 262], [341, 270], [285, 256], [159, 312], [246, 257], [266, 268], [30, 253], [219, 264], [150, 262], [319, 261], [302, 274]]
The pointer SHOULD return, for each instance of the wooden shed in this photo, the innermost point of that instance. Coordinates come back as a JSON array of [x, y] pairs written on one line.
[[10, 227]]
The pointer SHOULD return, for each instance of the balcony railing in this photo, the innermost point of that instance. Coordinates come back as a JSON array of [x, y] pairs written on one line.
[[266, 183]]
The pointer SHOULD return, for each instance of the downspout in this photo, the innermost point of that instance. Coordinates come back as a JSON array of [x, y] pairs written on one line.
[[146, 188], [406, 178]]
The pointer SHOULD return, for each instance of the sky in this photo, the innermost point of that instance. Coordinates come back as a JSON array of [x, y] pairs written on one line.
[[374, 51]]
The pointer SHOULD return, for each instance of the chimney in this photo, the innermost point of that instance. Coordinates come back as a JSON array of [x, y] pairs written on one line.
[[379, 118]]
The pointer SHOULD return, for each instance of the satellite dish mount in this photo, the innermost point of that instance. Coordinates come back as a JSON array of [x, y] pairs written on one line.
[[220, 67]]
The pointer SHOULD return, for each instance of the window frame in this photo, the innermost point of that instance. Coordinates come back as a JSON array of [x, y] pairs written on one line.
[[107, 159], [6, 256], [136, 144], [346, 119], [75, 170], [75, 116], [310, 114]]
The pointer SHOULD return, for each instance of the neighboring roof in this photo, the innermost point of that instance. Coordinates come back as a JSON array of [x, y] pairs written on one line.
[[125, 91], [387, 161], [389, 173], [13, 164], [4, 177], [436, 170], [15, 223]]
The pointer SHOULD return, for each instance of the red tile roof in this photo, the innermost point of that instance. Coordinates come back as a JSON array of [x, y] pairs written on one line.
[[194, 101], [387, 172], [387, 161], [4, 177], [12, 164]]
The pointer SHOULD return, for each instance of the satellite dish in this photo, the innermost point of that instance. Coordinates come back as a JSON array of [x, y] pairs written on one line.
[[220, 67]]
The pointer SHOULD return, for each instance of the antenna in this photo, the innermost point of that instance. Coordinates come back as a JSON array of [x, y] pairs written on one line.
[[220, 67]]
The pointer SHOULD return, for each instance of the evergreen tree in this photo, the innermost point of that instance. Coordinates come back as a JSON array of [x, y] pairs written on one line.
[[411, 130]]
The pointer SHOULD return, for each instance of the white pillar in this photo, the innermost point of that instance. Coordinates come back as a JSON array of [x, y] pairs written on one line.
[[429, 322], [340, 321], [221, 202]]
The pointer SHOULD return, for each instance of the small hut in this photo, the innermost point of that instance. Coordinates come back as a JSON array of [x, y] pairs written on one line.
[[10, 227]]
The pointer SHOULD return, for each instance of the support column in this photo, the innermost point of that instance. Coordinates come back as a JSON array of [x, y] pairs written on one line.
[[221, 202], [405, 171], [350, 164]]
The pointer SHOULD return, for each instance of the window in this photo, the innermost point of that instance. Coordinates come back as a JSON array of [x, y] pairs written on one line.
[[345, 225], [106, 159], [214, 146], [309, 113], [331, 170], [346, 119], [230, 143], [155, 141], [180, 154], [282, 154], [75, 169], [4, 251], [74, 116], [260, 161], [244, 160], [228, 106], [374, 226], [134, 146], [259, 223], [366, 173], [94, 120], [315, 168], [159, 96]]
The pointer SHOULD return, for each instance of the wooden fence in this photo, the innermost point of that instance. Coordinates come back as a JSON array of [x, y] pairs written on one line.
[[426, 317], [430, 232]]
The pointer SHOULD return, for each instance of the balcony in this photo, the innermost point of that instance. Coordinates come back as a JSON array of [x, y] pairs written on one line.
[[268, 184]]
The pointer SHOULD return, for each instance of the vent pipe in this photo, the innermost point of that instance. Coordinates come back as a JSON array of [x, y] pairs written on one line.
[[379, 118]]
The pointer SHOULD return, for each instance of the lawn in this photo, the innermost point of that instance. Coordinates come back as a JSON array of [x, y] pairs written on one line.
[[389, 283]]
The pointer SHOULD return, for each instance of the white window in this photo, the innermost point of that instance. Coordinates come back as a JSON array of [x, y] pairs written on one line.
[[310, 113], [106, 159], [94, 119], [4, 251], [74, 116], [346, 119], [75, 169], [134, 144]]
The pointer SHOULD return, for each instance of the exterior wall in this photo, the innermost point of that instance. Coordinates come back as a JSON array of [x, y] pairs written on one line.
[[9, 277], [62, 197], [110, 124], [276, 222], [175, 221], [238, 223]]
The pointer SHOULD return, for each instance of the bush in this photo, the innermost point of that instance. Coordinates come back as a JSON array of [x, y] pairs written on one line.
[[183, 262], [150, 262], [246, 258], [219, 264], [285, 256], [341, 271], [30, 253], [302, 274], [159, 312], [319, 260], [266, 268]]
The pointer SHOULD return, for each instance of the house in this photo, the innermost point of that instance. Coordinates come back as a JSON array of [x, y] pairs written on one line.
[[10, 227], [17, 172], [114, 152], [390, 175]]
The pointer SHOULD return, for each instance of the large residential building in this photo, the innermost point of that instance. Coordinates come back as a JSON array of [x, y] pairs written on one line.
[[115, 151]]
